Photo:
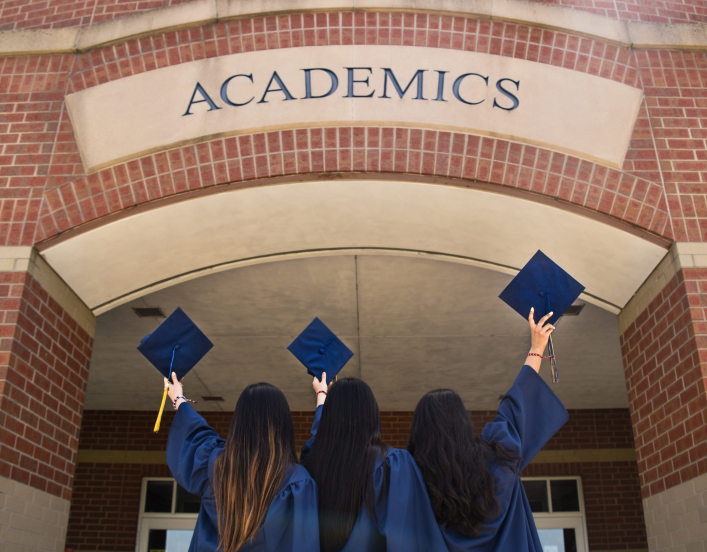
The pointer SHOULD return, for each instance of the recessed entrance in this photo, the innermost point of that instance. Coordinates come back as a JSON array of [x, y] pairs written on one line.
[[414, 324]]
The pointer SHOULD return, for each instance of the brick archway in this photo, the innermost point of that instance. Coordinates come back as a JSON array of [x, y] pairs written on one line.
[[633, 194], [455, 159]]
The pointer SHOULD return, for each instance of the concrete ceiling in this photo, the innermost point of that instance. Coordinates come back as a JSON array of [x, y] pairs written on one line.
[[413, 323]]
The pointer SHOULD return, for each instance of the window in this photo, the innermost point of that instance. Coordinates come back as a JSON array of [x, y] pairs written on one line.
[[167, 516], [557, 504]]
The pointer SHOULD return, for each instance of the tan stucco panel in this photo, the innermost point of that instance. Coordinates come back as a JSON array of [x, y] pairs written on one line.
[[560, 109], [127, 258]]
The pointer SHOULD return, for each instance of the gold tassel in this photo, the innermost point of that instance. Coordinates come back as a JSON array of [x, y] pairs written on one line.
[[159, 416]]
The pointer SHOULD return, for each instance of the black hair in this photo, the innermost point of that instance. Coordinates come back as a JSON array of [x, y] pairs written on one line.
[[343, 458], [454, 463]]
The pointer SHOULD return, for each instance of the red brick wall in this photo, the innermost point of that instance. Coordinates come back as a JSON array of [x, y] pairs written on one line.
[[47, 14], [44, 359], [343, 28], [32, 89], [664, 353], [105, 506], [676, 105], [254, 158], [132, 430]]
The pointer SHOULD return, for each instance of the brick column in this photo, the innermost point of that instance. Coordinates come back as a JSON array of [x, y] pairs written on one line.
[[46, 336], [664, 345]]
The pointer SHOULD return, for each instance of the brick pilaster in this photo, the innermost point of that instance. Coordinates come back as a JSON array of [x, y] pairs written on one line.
[[664, 349], [44, 358]]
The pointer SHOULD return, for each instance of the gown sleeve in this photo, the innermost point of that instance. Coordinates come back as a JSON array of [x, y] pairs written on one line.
[[190, 447], [529, 415], [404, 513], [315, 424], [292, 524]]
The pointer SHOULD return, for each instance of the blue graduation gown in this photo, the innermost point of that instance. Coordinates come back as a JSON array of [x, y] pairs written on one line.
[[292, 521], [529, 415], [404, 518]]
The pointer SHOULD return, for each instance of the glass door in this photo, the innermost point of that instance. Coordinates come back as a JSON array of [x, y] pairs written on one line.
[[167, 516], [165, 535], [558, 534], [557, 504]]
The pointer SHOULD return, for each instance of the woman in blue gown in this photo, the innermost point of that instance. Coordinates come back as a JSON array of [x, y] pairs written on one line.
[[474, 484], [371, 497], [255, 496]]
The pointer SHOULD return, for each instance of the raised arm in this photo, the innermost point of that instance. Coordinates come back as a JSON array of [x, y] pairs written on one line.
[[539, 336], [190, 446], [320, 388], [530, 413]]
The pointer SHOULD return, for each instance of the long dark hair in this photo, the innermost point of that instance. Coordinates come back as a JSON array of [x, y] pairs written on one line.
[[342, 459], [454, 464], [259, 451]]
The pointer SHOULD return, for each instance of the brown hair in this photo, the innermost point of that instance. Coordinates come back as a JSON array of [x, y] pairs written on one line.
[[259, 451]]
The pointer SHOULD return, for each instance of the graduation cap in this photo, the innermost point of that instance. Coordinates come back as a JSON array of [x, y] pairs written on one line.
[[176, 346], [318, 348], [545, 286]]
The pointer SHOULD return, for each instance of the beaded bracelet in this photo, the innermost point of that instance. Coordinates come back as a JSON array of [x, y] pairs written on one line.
[[174, 403], [540, 356], [321, 392]]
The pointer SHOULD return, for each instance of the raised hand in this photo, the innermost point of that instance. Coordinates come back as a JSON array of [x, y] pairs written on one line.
[[175, 387], [539, 336], [320, 385]]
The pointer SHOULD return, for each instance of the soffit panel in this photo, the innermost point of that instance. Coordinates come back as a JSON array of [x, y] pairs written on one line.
[[157, 248]]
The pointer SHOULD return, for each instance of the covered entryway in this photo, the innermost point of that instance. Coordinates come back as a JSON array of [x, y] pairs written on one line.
[[406, 273]]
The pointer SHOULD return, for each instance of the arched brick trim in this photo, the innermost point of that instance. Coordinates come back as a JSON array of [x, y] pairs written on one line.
[[55, 14], [341, 28], [250, 159]]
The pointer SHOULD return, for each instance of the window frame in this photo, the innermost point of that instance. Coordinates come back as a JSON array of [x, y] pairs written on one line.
[[172, 514], [543, 520], [160, 520]]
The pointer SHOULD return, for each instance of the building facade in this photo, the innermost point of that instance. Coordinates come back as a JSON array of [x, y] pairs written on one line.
[[387, 165]]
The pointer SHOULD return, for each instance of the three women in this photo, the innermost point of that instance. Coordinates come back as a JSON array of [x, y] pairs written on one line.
[[448, 491]]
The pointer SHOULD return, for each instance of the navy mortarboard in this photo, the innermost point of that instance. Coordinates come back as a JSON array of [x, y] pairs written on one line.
[[318, 348], [543, 285], [176, 346]]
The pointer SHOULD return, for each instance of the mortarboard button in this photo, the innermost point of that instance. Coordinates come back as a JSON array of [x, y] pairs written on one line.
[[320, 350], [543, 285]]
